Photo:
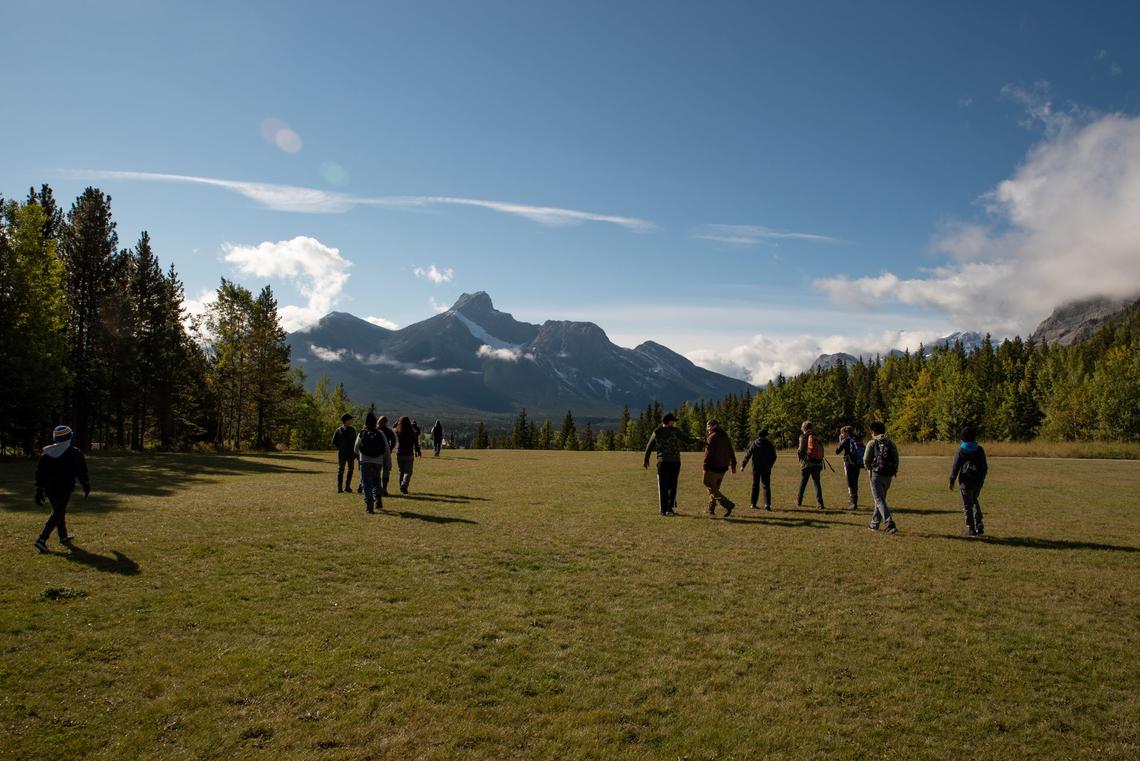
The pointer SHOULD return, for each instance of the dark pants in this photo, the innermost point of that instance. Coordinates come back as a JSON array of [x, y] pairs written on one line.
[[344, 460], [405, 463], [667, 475], [385, 474], [370, 480], [759, 478], [971, 507], [813, 474], [852, 474], [438, 443], [58, 519]]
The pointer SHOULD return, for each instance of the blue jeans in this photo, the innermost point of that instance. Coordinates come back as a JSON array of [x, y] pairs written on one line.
[[370, 479]]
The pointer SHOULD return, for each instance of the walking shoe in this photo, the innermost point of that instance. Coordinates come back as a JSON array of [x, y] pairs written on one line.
[[768, 508], [728, 510], [979, 530], [67, 541], [969, 532], [799, 503], [753, 507], [821, 507], [892, 529], [360, 489], [712, 509], [670, 512], [340, 491], [369, 510], [873, 527], [41, 545]]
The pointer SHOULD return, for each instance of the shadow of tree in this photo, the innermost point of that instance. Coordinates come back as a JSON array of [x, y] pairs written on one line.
[[1041, 544], [152, 474]]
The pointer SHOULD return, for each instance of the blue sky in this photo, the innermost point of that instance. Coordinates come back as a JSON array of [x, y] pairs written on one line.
[[749, 183]]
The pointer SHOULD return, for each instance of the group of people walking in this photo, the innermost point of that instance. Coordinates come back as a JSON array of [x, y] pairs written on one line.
[[879, 458], [374, 447]]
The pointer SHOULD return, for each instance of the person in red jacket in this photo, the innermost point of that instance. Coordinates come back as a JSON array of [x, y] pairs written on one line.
[[719, 458]]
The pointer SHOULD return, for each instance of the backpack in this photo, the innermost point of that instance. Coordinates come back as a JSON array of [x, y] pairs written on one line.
[[884, 463], [856, 449], [814, 447], [371, 443], [969, 471]]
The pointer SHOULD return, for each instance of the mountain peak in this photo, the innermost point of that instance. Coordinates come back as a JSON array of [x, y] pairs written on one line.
[[474, 302]]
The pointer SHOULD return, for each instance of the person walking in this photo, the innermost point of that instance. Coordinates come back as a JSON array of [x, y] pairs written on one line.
[[59, 468], [407, 450], [881, 459], [437, 437], [667, 440], [810, 452], [390, 437], [852, 448], [763, 457], [969, 469], [344, 439], [372, 448], [719, 458]]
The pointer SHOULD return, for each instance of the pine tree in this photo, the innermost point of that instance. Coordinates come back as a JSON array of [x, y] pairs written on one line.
[[520, 434], [272, 384], [588, 437], [481, 441], [545, 435], [569, 434]]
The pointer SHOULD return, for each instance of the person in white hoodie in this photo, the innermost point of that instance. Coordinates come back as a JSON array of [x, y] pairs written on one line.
[[61, 465]]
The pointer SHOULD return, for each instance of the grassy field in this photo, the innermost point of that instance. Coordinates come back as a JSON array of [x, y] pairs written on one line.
[[534, 605]]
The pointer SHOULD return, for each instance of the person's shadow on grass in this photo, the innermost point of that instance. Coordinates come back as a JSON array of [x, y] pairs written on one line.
[[119, 563], [1042, 544], [428, 518]]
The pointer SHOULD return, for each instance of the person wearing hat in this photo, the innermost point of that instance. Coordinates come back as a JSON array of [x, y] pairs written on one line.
[[344, 439], [763, 457], [61, 465], [668, 440]]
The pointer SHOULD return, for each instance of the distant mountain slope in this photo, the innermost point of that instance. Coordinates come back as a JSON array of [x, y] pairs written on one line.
[[475, 360], [1077, 320], [970, 341]]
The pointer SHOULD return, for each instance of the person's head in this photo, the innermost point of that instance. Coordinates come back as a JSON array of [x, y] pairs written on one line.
[[346, 419], [805, 427], [847, 430], [712, 425], [435, 423], [61, 433], [404, 423], [763, 433], [370, 420], [877, 428], [383, 421], [669, 420], [968, 434]]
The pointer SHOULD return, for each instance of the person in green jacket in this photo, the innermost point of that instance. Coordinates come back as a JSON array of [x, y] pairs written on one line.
[[881, 459], [668, 440]]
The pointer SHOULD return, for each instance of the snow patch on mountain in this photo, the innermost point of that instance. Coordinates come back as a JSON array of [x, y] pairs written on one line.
[[479, 332]]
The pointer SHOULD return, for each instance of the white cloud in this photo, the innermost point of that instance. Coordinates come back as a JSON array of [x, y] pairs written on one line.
[[313, 201], [430, 372], [764, 357], [1063, 227], [751, 235], [1103, 58], [503, 354], [196, 307], [436, 306], [381, 322], [327, 355], [318, 271], [434, 274]]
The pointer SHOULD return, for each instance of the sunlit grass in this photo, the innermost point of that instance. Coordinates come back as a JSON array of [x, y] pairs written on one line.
[[534, 605]]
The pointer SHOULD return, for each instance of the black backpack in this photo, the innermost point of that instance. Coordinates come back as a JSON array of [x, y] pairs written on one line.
[[886, 461], [969, 473], [371, 443]]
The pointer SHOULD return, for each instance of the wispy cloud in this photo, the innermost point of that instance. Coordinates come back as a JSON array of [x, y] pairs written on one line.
[[503, 354], [965, 101], [436, 306], [1041, 111], [327, 355], [751, 235], [295, 198], [1102, 57], [435, 274]]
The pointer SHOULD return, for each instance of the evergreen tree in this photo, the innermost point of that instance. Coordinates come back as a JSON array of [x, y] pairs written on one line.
[[568, 436], [481, 441], [588, 437], [545, 435], [520, 434]]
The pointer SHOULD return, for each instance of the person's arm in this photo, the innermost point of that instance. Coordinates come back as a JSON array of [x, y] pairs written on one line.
[[649, 449], [747, 457], [983, 467], [842, 445], [955, 467], [356, 446], [336, 438], [801, 449], [732, 455], [869, 454]]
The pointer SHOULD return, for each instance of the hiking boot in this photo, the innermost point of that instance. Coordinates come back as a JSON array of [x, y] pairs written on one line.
[[728, 509], [41, 545], [712, 510], [979, 531], [753, 507], [670, 512], [873, 527], [892, 529], [67, 540], [339, 490], [768, 508], [360, 489]]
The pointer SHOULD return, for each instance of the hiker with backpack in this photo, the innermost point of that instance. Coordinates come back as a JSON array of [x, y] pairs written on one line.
[[969, 470], [852, 448], [407, 450], [719, 458], [763, 457], [60, 466], [344, 439], [881, 459], [668, 440], [811, 463], [372, 449]]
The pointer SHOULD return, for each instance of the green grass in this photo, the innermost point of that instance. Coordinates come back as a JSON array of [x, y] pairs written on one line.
[[533, 605]]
